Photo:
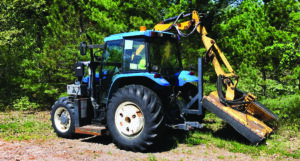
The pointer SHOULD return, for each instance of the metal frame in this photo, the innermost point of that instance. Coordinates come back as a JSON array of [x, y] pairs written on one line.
[[198, 96], [76, 113]]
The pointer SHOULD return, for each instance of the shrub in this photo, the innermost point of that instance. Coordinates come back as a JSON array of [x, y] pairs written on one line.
[[286, 107], [24, 104]]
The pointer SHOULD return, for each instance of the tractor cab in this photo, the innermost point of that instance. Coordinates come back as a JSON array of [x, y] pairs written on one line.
[[143, 51], [148, 57]]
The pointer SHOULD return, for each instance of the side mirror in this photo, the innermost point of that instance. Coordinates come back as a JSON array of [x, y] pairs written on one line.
[[82, 48]]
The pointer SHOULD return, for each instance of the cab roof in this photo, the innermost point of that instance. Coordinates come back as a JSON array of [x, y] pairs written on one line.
[[147, 33]]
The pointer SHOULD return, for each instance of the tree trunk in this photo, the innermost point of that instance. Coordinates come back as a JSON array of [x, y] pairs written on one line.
[[299, 82], [81, 29], [264, 78]]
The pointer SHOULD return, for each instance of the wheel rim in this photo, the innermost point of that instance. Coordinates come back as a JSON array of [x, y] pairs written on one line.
[[129, 119], [62, 119]]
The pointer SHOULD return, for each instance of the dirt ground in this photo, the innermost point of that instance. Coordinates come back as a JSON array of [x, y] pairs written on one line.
[[102, 148]]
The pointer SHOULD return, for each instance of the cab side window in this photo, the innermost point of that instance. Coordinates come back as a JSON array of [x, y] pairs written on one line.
[[134, 55], [113, 52], [112, 60]]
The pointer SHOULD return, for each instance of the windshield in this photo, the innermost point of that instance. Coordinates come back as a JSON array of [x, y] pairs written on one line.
[[164, 56]]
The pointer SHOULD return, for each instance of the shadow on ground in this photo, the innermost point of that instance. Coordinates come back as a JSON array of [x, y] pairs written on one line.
[[172, 138], [169, 140], [105, 139], [230, 134]]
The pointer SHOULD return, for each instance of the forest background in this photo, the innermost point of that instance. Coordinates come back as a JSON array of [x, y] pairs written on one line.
[[39, 42]]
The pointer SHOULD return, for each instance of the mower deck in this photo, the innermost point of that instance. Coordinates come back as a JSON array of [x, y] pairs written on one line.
[[247, 125]]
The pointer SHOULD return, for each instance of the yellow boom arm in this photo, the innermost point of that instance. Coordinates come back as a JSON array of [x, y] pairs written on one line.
[[208, 43], [248, 101], [247, 119]]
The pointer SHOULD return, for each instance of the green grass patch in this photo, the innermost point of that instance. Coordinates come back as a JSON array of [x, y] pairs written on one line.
[[17, 125], [221, 157], [219, 134], [284, 142], [151, 157]]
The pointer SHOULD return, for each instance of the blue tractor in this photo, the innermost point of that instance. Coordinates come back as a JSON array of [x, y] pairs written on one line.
[[134, 86], [132, 89]]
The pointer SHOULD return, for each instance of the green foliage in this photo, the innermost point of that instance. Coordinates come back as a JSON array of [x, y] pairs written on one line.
[[286, 107], [39, 42], [109, 17], [21, 31], [264, 37], [23, 104], [251, 80]]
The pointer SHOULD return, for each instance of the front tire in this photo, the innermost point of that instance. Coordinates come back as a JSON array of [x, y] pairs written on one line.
[[134, 118], [62, 118]]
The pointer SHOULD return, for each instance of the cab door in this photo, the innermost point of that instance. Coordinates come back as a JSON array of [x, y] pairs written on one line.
[[111, 65]]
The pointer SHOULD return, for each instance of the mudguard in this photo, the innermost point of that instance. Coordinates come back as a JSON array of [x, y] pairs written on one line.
[[160, 81], [185, 77]]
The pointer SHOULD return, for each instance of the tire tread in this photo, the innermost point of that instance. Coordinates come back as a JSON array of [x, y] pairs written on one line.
[[150, 105], [65, 102]]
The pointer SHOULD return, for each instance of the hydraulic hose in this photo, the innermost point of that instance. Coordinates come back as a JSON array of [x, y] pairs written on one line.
[[176, 27], [239, 101], [186, 35], [174, 24]]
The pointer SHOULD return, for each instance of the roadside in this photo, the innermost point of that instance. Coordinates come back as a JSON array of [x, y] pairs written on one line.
[[29, 136], [85, 149]]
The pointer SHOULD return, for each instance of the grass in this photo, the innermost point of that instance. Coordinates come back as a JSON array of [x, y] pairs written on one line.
[[285, 142], [151, 157], [221, 157], [17, 125], [221, 135]]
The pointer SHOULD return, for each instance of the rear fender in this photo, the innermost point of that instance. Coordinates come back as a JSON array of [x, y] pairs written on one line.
[[185, 77]]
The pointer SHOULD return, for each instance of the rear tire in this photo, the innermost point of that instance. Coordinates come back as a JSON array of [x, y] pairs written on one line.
[[62, 118], [134, 118]]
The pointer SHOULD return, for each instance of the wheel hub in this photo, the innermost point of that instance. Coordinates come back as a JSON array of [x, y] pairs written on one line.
[[64, 119], [129, 119]]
